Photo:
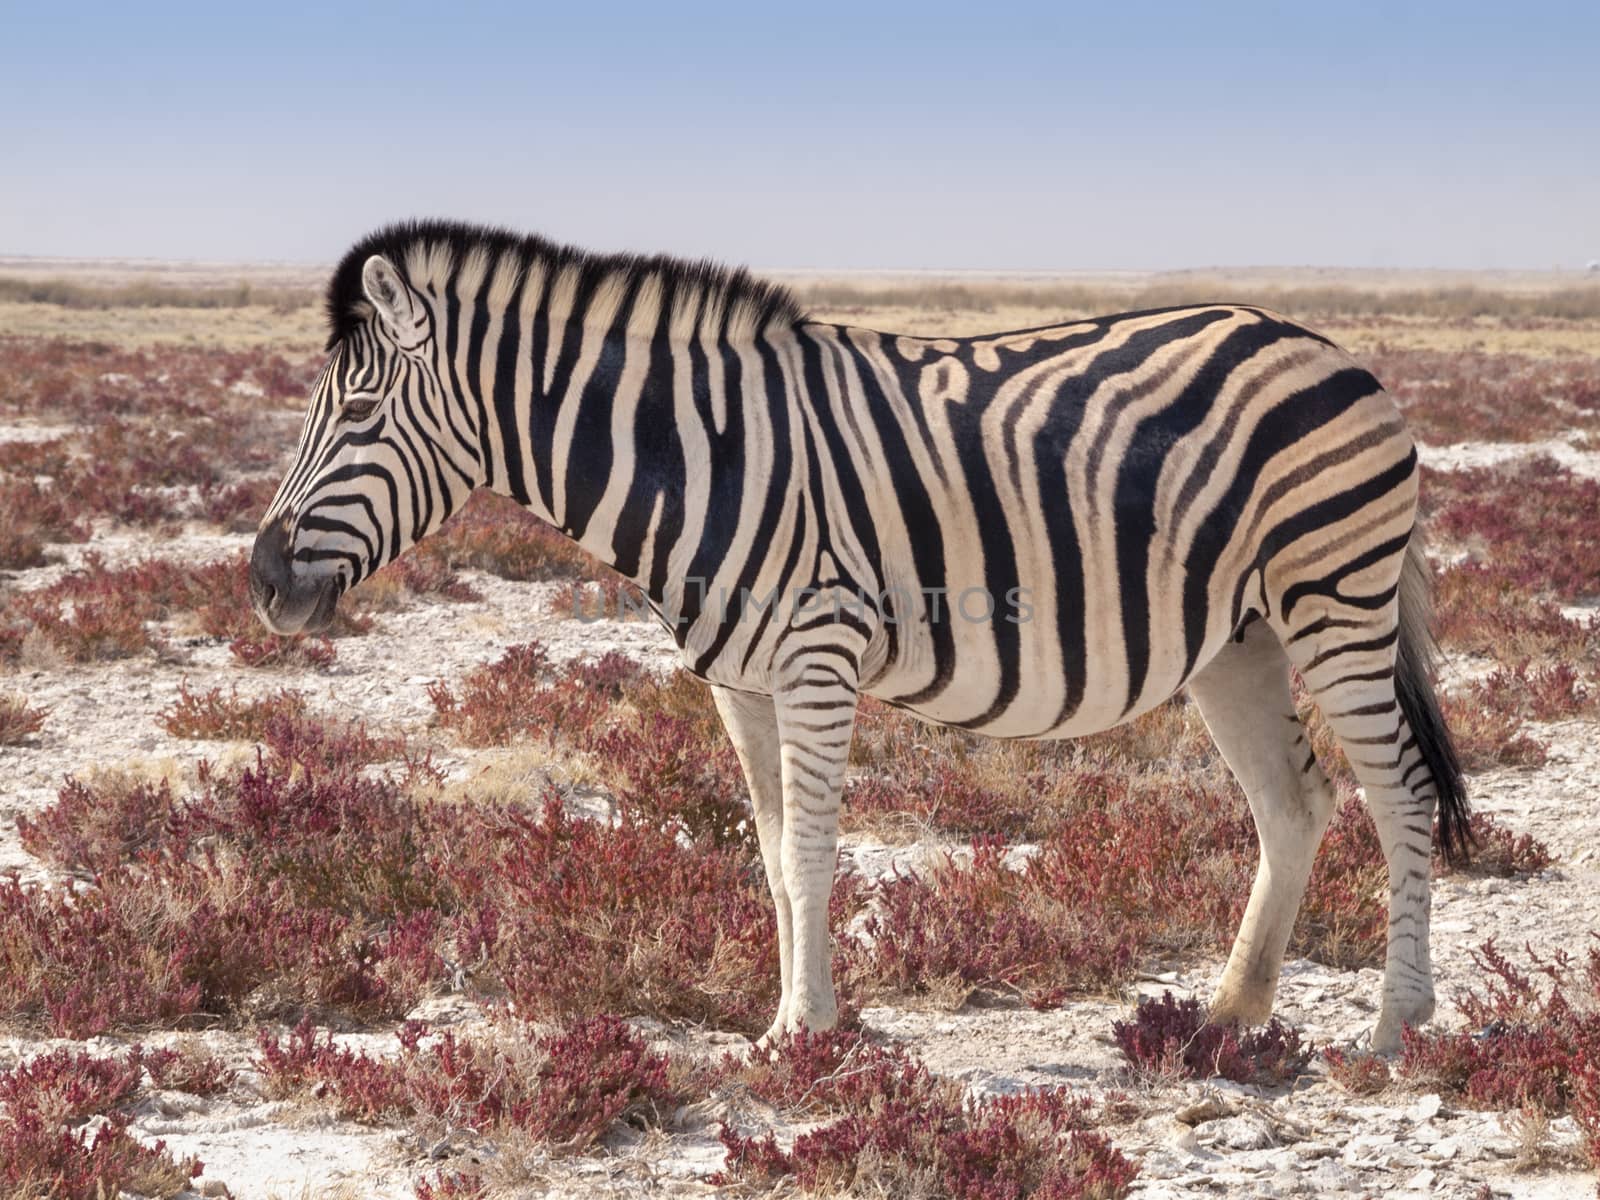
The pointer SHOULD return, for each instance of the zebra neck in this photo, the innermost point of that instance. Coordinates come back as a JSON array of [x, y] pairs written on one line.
[[629, 445]]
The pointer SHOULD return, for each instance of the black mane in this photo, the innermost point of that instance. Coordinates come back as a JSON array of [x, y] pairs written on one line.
[[762, 303]]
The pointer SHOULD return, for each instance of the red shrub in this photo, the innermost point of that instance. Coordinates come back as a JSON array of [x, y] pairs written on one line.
[[67, 1087], [1169, 1037], [421, 571], [497, 535], [1515, 513], [575, 1085], [1486, 738], [898, 1128], [945, 797], [990, 927], [91, 629], [216, 717], [452, 1185], [1522, 1048], [99, 827], [238, 507], [39, 1159], [299, 882], [1357, 1073], [40, 1155], [18, 720], [1343, 919], [189, 1070], [1135, 867], [1495, 611], [275, 651], [30, 516], [839, 1070], [265, 891], [610, 597], [1534, 693], [360, 1087], [1479, 395], [1500, 852], [522, 694], [575, 916], [663, 771]]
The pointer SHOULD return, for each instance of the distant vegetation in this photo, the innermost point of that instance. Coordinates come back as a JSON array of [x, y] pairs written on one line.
[[149, 295], [1580, 302]]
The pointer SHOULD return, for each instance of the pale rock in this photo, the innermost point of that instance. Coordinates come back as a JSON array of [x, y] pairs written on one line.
[[1247, 1132], [1368, 1149], [1328, 1174], [1422, 1181], [1184, 1138], [1284, 1159], [1158, 1164], [1280, 1184], [1289, 1183], [1425, 1135], [1207, 1108], [1310, 1150], [1424, 1109], [1444, 1149]]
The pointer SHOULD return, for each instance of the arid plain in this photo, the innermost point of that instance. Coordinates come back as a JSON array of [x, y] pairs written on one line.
[[463, 901]]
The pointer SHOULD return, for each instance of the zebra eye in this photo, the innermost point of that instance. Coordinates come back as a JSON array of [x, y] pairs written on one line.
[[359, 408]]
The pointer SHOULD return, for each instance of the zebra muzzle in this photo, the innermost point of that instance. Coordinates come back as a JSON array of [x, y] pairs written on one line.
[[285, 599]]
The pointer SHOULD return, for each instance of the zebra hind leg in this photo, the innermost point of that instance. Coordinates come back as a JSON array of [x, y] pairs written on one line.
[[1243, 694], [752, 724], [1370, 671]]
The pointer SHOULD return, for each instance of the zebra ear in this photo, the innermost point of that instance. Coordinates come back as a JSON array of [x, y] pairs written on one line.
[[399, 308]]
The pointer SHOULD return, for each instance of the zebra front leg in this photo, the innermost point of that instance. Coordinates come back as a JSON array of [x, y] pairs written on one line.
[[752, 724], [816, 717], [1243, 694]]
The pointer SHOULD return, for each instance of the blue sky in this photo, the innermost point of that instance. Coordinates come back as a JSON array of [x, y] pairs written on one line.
[[802, 134]]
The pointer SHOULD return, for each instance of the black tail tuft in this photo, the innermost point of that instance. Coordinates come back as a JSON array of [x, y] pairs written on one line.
[[1414, 675]]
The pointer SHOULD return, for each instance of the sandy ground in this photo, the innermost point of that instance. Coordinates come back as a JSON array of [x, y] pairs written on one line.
[[1307, 1140], [1313, 1138]]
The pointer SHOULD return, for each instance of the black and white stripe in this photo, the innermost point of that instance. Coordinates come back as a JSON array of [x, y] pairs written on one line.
[[1033, 534]]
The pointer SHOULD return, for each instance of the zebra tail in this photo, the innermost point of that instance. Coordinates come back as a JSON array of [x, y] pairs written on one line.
[[1416, 668]]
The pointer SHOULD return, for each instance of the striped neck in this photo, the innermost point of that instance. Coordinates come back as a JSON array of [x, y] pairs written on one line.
[[578, 384]]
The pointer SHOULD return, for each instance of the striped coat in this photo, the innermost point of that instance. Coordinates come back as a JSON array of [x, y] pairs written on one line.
[[1033, 534]]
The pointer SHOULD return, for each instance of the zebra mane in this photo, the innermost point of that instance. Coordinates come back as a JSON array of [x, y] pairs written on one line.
[[439, 250]]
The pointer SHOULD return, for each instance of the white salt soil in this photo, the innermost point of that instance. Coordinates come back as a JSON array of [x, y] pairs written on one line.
[[1311, 1139]]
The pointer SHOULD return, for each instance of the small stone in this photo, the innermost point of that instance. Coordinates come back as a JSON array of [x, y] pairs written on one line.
[[1425, 1135], [1444, 1149], [1328, 1175], [1368, 1149], [1288, 1183], [1424, 1109], [1422, 1181], [1312, 1150], [1207, 1108], [1238, 1133]]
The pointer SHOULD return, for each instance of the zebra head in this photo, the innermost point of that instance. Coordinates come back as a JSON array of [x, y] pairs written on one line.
[[381, 462]]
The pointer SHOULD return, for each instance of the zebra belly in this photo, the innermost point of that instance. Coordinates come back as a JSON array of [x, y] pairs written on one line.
[[1050, 665]]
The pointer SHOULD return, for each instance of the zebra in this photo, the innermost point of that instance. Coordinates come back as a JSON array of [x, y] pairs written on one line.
[[1198, 497]]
